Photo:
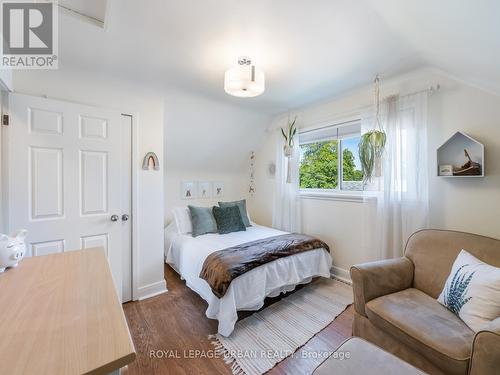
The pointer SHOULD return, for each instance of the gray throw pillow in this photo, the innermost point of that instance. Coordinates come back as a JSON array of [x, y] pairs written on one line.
[[203, 220], [228, 219], [242, 206]]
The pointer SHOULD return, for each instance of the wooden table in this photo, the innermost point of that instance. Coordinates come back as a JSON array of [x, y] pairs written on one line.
[[60, 314]]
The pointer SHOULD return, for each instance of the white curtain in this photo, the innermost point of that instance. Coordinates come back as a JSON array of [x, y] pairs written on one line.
[[402, 202], [286, 203]]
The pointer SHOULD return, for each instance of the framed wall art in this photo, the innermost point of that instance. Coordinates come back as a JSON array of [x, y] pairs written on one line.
[[188, 190]]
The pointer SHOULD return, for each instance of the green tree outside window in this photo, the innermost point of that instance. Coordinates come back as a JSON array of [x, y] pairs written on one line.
[[319, 165]]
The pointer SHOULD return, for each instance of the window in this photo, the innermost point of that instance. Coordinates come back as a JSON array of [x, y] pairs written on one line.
[[329, 158]]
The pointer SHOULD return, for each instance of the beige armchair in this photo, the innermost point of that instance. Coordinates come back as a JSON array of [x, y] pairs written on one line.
[[396, 307]]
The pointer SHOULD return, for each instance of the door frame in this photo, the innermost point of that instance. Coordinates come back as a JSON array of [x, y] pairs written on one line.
[[4, 109], [135, 162]]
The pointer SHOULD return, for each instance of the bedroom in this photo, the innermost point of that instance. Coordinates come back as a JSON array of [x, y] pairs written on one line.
[[137, 142]]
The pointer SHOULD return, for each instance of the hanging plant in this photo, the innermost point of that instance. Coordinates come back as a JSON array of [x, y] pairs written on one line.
[[289, 136], [372, 143], [371, 150]]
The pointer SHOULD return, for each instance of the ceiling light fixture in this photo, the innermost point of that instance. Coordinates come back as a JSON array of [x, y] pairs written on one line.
[[244, 80]]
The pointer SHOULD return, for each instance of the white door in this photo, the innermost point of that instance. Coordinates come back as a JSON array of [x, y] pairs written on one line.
[[69, 171]]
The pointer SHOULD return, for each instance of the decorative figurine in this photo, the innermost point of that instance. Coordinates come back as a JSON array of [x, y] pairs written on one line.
[[470, 168], [12, 249]]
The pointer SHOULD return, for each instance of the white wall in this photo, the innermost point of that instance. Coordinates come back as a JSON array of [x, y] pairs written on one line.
[[148, 106], [235, 187], [206, 140], [471, 205], [466, 204]]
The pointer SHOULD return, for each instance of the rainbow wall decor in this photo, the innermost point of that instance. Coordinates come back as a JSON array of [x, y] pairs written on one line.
[[151, 161]]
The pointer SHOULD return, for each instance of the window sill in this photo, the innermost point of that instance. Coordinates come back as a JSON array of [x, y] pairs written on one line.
[[346, 196]]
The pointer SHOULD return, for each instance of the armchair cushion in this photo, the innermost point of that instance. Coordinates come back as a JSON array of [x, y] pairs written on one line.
[[375, 279], [419, 321]]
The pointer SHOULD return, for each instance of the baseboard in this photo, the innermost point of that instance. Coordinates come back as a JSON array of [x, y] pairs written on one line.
[[151, 290], [341, 274]]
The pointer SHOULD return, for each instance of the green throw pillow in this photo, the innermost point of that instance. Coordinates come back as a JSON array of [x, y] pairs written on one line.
[[203, 220], [242, 206], [228, 219]]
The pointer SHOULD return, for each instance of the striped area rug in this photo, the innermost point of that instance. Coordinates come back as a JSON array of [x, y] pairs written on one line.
[[265, 338]]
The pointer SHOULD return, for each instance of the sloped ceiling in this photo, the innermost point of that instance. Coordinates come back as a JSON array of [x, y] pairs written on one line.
[[460, 37], [204, 134], [309, 50]]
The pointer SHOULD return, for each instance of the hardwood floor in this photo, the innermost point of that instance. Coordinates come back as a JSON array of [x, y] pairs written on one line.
[[174, 325]]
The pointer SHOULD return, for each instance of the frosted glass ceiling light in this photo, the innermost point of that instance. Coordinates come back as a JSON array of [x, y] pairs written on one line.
[[245, 80]]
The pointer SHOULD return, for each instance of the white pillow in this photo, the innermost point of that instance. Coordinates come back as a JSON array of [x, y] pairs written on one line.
[[182, 218], [472, 291]]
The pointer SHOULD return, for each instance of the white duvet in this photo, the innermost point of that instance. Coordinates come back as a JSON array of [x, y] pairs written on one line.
[[248, 291]]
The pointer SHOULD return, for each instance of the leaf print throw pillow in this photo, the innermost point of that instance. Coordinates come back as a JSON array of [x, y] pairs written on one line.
[[472, 291]]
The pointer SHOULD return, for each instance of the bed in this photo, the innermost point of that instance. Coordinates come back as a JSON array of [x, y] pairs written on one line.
[[186, 255]]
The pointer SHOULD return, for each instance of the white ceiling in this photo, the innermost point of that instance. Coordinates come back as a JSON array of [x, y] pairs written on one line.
[[309, 49], [94, 9]]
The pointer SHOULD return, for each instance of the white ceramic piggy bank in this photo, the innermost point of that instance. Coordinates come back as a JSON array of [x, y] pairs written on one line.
[[12, 249]]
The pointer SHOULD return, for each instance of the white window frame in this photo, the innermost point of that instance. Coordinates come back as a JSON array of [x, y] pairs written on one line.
[[337, 193]]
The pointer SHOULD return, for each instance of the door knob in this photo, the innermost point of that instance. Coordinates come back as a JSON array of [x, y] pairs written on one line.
[[124, 217], [114, 217]]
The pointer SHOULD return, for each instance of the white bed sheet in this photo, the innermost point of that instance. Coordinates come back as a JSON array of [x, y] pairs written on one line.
[[248, 291]]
